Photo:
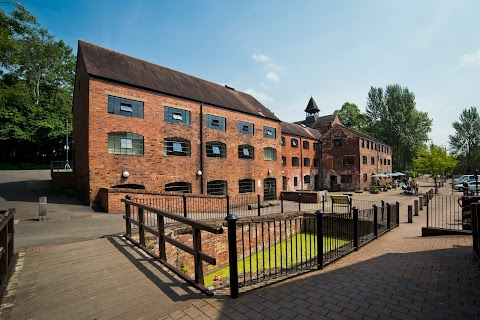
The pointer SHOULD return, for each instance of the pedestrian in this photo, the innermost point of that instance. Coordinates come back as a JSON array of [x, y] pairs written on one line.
[[395, 184]]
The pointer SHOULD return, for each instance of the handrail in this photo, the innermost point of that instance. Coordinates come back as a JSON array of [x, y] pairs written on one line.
[[7, 256], [196, 251]]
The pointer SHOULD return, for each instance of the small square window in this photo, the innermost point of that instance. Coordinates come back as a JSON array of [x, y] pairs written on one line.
[[126, 143]]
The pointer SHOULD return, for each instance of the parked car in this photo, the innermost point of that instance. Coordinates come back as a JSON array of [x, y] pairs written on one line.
[[465, 177], [471, 186]]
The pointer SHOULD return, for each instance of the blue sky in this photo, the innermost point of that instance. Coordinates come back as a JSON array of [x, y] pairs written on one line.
[[283, 52]]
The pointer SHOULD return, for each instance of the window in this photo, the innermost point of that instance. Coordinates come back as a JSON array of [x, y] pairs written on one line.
[[306, 162], [306, 179], [283, 141], [346, 178], [217, 187], [125, 107], [245, 127], [337, 142], [269, 154], [294, 143], [216, 150], [246, 152], [368, 144], [316, 162], [125, 143], [384, 162], [372, 160], [269, 132], [364, 159], [176, 147], [295, 162], [348, 160], [183, 187], [295, 181], [363, 143], [178, 116], [284, 161], [246, 186], [306, 145], [372, 145], [215, 122], [315, 146], [388, 161], [380, 161]]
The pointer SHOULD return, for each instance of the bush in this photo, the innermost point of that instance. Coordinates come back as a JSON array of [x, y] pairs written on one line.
[[374, 190]]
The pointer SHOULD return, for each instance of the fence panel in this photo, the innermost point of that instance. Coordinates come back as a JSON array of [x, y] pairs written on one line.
[[449, 212]]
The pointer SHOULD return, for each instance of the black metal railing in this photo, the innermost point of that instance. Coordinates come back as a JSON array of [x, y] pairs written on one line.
[[62, 166], [200, 207], [7, 255], [449, 212], [278, 248], [475, 210], [158, 231]]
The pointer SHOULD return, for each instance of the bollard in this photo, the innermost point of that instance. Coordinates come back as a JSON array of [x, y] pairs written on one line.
[[410, 219], [42, 208], [415, 208], [421, 203]]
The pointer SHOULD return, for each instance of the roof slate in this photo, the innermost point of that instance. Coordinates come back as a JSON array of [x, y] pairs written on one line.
[[298, 130], [114, 66], [312, 106]]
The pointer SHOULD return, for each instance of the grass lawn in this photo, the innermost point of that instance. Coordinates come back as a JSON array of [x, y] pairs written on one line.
[[298, 248]]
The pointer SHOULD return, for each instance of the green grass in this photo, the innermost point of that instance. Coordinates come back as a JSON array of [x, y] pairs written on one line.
[[299, 244]]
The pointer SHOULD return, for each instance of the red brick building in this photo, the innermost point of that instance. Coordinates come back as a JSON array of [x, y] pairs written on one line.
[[349, 158], [140, 125], [300, 157]]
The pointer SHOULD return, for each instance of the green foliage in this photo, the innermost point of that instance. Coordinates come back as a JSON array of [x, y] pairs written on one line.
[[434, 161], [184, 267], [351, 116], [392, 117], [36, 85], [466, 140]]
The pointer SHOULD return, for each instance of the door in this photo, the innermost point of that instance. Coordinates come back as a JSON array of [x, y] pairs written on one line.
[[269, 189], [284, 183]]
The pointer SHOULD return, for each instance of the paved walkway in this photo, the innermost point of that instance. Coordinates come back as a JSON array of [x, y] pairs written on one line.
[[399, 276]]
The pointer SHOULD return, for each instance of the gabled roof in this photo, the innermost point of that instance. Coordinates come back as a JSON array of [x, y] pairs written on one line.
[[312, 106], [300, 131], [357, 133], [320, 122], [117, 67]]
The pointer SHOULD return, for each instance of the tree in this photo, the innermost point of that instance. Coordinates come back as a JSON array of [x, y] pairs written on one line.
[[466, 140], [434, 161], [36, 85], [392, 117], [351, 116]]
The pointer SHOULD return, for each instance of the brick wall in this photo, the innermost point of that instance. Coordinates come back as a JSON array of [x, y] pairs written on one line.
[[153, 170]]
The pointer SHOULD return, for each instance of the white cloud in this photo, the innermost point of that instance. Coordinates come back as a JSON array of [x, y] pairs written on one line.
[[259, 95], [260, 57], [472, 58], [272, 66], [272, 76]]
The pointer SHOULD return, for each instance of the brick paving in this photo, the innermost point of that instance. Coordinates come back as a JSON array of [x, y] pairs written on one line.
[[398, 276]]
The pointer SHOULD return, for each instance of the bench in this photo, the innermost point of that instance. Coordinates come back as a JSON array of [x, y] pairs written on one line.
[[344, 201]]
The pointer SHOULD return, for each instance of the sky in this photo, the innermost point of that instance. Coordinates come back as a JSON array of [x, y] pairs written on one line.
[[284, 52]]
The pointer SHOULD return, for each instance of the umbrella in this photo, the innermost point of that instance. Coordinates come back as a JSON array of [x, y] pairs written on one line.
[[380, 175], [400, 173]]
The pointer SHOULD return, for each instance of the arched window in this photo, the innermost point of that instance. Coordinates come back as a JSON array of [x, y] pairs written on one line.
[[217, 187], [125, 143], [246, 151], [176, 147], [216, 149], [295, 162], [246, 186], [294, 143], [183, 187]]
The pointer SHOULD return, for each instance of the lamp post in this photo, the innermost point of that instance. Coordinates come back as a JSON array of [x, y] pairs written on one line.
[[476, 182]]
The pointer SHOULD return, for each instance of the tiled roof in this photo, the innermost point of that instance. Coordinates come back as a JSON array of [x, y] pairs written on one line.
[[114, 66], [358, 133], [300, 131]]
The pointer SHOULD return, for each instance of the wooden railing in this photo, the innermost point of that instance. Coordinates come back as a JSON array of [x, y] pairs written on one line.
[[159, 232], [7, 256]]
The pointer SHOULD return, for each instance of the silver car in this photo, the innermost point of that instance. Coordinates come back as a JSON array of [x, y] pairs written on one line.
[[471, 186]]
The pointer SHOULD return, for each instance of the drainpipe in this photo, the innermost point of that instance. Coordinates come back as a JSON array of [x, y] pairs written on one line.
[[201, 149]]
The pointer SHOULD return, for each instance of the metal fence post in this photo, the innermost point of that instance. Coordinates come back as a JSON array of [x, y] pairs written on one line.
[[355, 228], [389, 215], [475, 210], [227, 197], [232, 254], [415, 207], [410, 218], [375, 220], [281, 202], [383, 209], [128, 224], [398, 213], [184, 205], [319, 216], [299, 202], [420, 203], [141, 226], [323, 202], [258, 205]]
